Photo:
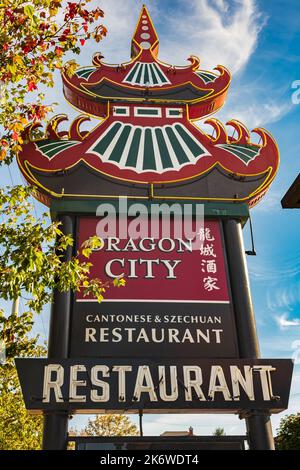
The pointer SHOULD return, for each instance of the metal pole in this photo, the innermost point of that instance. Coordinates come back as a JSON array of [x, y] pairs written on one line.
[[56, 424], [258, 423], [141, 422]]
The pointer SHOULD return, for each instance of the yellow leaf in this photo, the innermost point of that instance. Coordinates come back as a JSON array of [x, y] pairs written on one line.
[[53, 11], [18, 60]]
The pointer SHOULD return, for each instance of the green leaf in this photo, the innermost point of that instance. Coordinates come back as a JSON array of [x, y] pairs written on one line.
[[29, 10]]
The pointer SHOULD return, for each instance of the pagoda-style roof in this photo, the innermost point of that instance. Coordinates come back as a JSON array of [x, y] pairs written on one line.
[[146, 79], [147, 144]]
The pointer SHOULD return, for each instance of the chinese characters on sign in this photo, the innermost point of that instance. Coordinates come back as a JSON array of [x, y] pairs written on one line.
[[209, 265]]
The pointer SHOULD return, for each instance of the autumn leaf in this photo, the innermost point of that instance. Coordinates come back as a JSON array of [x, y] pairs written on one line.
[[31, 86], [119, 282], [58, 51]]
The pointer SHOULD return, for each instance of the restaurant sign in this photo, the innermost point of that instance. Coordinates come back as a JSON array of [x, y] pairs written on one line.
[[177, 298], [107, 385]]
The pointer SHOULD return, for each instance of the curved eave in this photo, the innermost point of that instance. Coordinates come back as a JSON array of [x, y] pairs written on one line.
[[27, 169], [209, 103]]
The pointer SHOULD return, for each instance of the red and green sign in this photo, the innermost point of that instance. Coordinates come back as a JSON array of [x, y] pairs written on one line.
[[176, 302], [160, 268]]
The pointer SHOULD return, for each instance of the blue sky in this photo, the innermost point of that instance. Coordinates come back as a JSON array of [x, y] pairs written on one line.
[[259, 41]]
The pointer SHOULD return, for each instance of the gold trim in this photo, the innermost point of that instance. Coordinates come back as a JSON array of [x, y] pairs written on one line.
[[81, 119], [219, 126], [239, 125], [187, 111], [263, 187], [131, 61], [270, 172], [132, 87]]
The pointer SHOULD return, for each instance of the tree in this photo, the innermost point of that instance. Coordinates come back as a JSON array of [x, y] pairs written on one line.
[[35, 36], [18, 430], [31, 265], [34, 39], [288, 434], [218, 432], [110, 425]]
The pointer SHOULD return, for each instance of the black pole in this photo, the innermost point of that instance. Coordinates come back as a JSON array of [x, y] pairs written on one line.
[[258, 423], [141, 422], [56, 423]]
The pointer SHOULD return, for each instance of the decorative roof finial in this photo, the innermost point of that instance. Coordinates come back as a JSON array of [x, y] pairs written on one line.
[[145, 36]]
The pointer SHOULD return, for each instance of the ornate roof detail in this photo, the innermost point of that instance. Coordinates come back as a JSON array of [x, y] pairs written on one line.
[[51, 149], [147, 75], [147, 141], [246, 153], [145, 37], [146, 78], [85, 72], [207, 77], [148, 148]]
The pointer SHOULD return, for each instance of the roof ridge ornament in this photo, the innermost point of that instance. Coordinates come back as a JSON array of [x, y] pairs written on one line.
[[145, 37]]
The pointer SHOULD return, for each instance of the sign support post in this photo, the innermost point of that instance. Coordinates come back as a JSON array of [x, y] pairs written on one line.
[[56, 423], [258, 423]]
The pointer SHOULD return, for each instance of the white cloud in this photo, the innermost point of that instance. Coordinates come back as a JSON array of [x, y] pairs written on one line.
[[221, 4], [284, 322], [271, 202], [285, 297], [219, 32], [294, 404], [256, 113], [277, 344]]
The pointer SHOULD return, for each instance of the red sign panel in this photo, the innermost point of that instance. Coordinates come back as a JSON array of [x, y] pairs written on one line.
[[176, 301], [161, 269]]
